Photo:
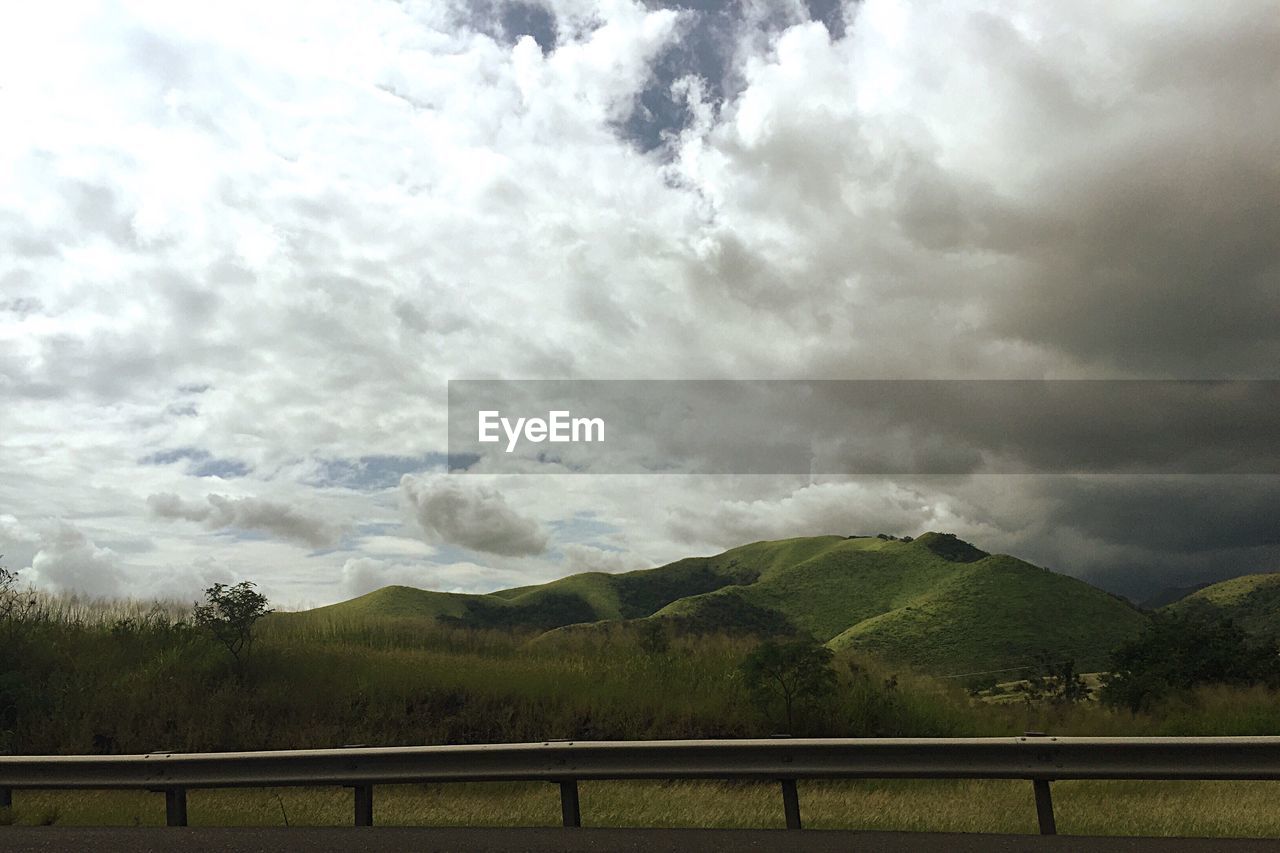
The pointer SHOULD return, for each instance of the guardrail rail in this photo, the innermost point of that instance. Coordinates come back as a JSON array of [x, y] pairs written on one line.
[[1035, 758]]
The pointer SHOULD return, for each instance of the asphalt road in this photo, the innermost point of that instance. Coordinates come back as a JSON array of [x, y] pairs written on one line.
[[530, 840]]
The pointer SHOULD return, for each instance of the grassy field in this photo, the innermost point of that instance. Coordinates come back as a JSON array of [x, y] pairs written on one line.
[[1082, 808], [98, 686], [122, 677]]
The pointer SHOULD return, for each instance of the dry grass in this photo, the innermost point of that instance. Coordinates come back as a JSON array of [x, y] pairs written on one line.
[[1083, 808]]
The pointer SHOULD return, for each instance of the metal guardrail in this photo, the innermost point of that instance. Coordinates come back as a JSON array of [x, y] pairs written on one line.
[[1038, 759]]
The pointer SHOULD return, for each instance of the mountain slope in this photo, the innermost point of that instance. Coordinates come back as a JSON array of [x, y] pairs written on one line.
[[1251, 601], [587, 597], [996, 613], [937, 602]]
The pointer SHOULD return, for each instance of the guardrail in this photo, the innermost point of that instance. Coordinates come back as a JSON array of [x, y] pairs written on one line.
[[1036, 758]]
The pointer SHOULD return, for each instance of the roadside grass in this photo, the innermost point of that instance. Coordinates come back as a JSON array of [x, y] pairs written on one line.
[[1207, 809], [147, 685]]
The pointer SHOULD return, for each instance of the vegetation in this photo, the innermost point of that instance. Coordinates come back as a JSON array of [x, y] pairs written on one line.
[[143, 684], [738, 661], [1250, 601], [229, 613], [1176, 653], [1170, 809], [934, 603], [795, 675], [1055, 681]]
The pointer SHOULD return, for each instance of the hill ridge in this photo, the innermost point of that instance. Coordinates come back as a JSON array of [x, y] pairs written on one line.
[[1251, 600], [935, 602]]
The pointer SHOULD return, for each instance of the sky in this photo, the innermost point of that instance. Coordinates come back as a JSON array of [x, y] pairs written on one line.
[[245, 246]]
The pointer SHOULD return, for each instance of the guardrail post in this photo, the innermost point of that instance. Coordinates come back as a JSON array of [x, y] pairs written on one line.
[[791, 803], [1044, 807], [364, 805], [570, 812], [175, 806], [6, 798]]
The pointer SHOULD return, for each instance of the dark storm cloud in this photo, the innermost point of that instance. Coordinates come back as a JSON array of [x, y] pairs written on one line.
[[875, 427], [1146, 247], [1180, 514], [1166, 260], [1134, 535]]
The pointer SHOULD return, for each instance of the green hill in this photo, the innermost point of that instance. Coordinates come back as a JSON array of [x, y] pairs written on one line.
[[935, 602], [1251, 601], [939, 604], [582, 598]]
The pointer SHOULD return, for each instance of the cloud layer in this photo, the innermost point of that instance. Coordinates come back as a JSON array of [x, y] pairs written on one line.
[[244, 246]]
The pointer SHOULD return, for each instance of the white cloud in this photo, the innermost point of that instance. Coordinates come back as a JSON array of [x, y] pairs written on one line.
[[68, 561], [471, 515], [273, 232], [365, 574], [588, 558]]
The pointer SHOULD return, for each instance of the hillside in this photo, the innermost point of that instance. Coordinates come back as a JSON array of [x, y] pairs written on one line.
[[936, 602], [581, 598], [1251, 601]]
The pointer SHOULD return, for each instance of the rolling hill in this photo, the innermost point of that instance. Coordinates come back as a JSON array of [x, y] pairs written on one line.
[[935, 602], [1251, 601]]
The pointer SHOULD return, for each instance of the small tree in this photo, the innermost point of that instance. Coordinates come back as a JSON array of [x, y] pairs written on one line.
[[652, 638], [1055, 681], [9, 601], [229, 613], [17, 606], [796, 673]]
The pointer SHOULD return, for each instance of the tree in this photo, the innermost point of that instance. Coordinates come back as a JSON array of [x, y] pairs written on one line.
[[652, 638], [1176, 653], [230, 613], [1055, 681], [17, 606], [795, 673]]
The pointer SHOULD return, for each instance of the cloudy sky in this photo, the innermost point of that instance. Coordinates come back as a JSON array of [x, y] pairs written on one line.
[[246, 245]]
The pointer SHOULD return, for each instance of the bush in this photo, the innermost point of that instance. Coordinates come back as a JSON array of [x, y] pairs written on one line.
[[1177, 653]]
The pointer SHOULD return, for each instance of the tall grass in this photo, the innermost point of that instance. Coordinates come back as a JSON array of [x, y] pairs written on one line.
[[1082, 808], [75, 610], [86, 676]]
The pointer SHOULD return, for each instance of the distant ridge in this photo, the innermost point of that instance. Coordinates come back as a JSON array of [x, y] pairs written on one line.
[[934, 602], [1251, 601], [1169, 595]]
